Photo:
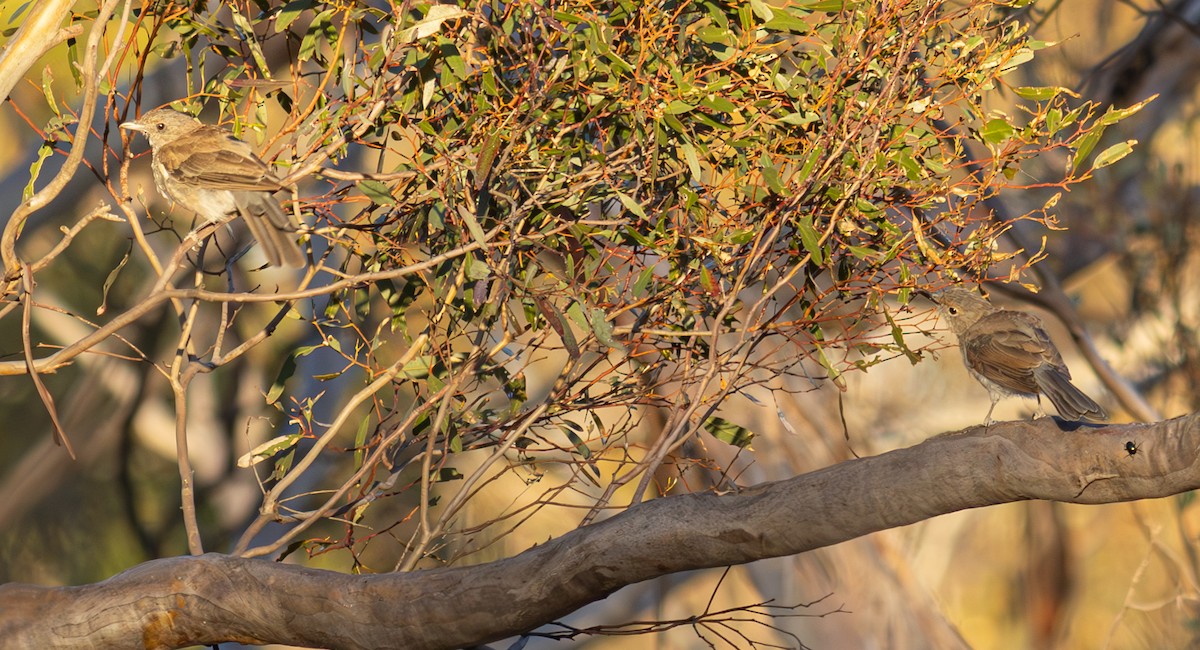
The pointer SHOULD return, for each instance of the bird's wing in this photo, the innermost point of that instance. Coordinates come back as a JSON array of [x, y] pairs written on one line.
[[1006, 346], [211, 158]]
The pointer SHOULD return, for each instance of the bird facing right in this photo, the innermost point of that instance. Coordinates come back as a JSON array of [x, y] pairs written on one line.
[[1010, 354]]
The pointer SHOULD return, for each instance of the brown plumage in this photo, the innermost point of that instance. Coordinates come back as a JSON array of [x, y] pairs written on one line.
[[207, 170], [1010, 353]]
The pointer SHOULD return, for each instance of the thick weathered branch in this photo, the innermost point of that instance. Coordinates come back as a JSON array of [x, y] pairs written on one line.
[[182, 601]]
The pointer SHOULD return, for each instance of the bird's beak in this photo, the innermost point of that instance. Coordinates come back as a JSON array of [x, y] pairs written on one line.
[[932, 297], [133, 126]]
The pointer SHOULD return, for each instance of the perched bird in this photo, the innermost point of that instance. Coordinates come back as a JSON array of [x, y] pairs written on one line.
[[207, 170], [1010, 353]]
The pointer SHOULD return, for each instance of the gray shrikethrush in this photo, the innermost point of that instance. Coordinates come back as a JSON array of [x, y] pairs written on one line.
[[1010, 353], [210, 172]]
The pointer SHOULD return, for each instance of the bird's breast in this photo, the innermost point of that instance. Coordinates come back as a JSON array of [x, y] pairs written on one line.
[[214, 205]]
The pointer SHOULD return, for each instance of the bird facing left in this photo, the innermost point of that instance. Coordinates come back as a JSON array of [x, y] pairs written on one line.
[[207, 170], [1010, 353]]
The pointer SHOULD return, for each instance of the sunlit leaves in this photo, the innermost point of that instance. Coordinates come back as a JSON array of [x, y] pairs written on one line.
[[1114, 153], [432, 22], [290, 12], [597, 210], [321, 33], [1088, 140]]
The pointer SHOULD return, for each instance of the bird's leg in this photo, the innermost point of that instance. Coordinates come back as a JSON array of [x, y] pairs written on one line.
[[987, 420], [1041, 412]]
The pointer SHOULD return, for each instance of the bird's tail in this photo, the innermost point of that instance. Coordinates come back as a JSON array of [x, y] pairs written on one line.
[[272, 227], [1070, 402]]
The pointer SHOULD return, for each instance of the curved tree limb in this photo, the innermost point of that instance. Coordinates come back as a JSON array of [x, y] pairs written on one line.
[[31, 42], [203, 600], [91, 81]]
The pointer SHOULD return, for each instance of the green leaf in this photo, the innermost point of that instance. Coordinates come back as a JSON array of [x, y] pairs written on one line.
[[575, 311], [377, 191], [286, 371], [1114, 153], [290, 12], [320, 30], [719, 104], [1042, 93], [834, 374], [48, 90], [360, 442], [811, 239], [421, 367], [269, 449], [1084, 145], [771, 175], [560, 325], [912, 169], [693, 162], [487, 156], [862, 252], [1114, 115], [603, 329], [996, 131], [783, 21], [800, 119], [643, 281], [706, 280], [729, 433], [35, 168], [283, 463], [1020, 57], [631, 205], [825, 6], [432, 22], [472, 225], [715, 35], [476, 269], [570, 428], [246, 32], [112, 277], [810, 162], [1054, 120], [898, 338], [761, 10], [678, 107], [73, 61]]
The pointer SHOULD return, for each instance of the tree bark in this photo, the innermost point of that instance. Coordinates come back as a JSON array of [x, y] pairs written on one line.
[[213, 598]]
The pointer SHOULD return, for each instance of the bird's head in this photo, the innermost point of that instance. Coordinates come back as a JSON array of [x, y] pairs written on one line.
[[163, 125], [960, 307]]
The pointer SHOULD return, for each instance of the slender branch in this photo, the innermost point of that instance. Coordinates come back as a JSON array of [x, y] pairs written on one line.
[[270, 507], [91, 77], [60, 434]]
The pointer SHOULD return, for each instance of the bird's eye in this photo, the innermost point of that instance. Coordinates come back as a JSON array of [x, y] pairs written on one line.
[[160, 126], [953, 311]]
